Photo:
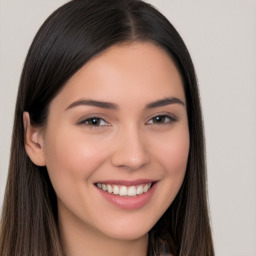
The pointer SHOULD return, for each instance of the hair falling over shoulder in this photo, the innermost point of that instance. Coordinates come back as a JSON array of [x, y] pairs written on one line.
[[69, 38]]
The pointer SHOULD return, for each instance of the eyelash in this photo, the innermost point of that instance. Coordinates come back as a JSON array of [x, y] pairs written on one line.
[[96, 122], [166, 118]]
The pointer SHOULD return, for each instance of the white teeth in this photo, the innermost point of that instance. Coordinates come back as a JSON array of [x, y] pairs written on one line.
[[109, 189], [124, 190], [132, 191], [115, 190], [146, 187], [139, 190]]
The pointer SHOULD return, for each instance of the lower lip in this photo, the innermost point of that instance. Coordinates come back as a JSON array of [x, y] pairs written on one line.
[[129, 203]]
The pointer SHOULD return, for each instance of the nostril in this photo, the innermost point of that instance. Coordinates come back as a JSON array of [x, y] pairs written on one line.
[[130, 151], [130, 160]]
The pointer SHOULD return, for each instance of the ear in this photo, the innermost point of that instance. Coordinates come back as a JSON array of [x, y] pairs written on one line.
[[33, 141]]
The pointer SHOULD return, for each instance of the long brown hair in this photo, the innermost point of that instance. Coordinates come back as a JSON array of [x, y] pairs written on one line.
[[68, 39]]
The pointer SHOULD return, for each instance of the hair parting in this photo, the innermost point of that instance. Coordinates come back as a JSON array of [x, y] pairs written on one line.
[[68, 39]]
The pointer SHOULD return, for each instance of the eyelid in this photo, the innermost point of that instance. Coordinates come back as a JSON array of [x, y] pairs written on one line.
[[169, 116], [83, 121]]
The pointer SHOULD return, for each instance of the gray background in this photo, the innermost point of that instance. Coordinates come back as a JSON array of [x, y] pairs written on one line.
[[221, 37]]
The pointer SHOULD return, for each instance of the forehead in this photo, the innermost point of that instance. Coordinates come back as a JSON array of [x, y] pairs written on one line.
[[135, 71]]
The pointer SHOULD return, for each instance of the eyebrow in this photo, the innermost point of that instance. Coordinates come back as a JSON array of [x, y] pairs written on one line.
[[95, 103], [165, 102], [113, 106]]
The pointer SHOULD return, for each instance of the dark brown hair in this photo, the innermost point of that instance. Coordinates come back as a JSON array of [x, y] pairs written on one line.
[[68, 39]]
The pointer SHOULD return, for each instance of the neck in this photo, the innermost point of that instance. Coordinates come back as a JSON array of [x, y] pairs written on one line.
[[79, 239]]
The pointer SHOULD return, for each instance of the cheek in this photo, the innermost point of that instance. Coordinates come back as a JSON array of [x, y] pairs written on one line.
[[71, 158], [173, 153], [173, 157], [177, 157]]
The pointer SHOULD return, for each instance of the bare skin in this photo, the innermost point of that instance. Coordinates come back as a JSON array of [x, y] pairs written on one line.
[[121, 118]]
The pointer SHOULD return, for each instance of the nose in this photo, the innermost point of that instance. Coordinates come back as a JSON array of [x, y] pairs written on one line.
[[130, 151]]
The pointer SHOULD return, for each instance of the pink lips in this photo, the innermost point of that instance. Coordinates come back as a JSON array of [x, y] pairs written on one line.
[[127, 182], [126, 202]]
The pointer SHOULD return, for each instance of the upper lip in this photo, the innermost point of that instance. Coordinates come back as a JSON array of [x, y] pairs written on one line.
[[127, 182]]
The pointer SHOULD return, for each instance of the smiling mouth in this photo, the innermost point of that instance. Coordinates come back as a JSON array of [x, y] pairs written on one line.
[[125, 191]]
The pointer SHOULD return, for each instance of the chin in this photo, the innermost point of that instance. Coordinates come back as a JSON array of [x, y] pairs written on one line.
[[128, 231]]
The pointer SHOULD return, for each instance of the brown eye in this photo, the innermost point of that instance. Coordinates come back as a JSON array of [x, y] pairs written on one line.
[[161, 119], [95, 121]]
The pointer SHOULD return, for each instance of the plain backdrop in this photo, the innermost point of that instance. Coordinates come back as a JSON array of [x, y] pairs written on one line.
[[221, 37]]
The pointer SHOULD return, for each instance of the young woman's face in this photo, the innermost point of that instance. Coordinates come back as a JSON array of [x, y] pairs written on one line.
[[120, 125]]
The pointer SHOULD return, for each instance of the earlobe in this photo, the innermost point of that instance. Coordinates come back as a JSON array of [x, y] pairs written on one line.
[[33, 140]]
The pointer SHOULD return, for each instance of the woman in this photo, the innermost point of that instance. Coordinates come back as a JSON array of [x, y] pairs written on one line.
[[107, 153]]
